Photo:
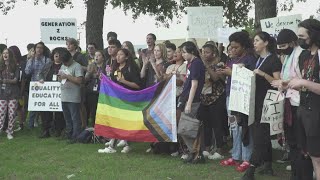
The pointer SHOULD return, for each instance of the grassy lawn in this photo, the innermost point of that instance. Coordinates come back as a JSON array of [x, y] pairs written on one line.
[[28, 157]]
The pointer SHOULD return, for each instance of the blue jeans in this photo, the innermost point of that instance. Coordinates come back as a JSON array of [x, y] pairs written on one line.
[[32, 117], [71, 113]]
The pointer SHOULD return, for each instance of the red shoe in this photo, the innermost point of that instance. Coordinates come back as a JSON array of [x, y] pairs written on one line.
[[229, 162], [243, 166]]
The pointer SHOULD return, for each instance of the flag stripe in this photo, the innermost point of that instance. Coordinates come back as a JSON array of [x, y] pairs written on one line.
[[121, 104], [109, 132], [120, 123], [126, 115]]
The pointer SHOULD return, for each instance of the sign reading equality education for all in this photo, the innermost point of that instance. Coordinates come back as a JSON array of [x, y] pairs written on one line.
[[273, 111], [57, 31], [274, 25], [203, 22], [242, 92], [44, 96]]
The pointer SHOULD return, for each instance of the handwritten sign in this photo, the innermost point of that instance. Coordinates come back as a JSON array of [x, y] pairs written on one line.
[[44, 96], [57, 31], [274, 25], [242, 92], [203, 22], [273, 111]]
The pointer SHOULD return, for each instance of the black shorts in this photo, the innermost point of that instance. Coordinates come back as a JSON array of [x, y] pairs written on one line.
[[308, 130]]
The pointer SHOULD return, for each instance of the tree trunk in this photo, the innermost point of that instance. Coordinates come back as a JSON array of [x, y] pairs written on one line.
[[94, 23], [264, 9]]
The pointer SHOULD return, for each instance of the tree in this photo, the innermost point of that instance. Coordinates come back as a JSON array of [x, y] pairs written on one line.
[[164, 11], [264, 9]]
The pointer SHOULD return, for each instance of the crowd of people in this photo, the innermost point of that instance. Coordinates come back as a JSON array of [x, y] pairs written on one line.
[[289, 64]]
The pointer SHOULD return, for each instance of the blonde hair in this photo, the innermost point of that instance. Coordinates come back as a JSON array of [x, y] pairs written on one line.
[[163, 50]]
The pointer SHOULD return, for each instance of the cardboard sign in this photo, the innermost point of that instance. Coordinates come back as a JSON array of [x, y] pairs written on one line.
[[203, 22], [242, 91], [45, 96], [273, 111], [274, 25], [57, 31]]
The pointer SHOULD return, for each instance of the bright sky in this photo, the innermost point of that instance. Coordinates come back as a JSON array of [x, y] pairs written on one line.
[[21, 25]]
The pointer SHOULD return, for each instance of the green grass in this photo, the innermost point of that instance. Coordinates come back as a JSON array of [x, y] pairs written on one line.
[[28, 157]]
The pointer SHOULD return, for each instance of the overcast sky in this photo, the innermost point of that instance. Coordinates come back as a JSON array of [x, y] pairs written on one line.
[[21, 25]]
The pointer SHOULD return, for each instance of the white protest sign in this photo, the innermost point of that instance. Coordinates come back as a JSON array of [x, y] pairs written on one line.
[[242, 92], [57, 31], [44, 96], [273, 111], [224, 33], [203, 22], [274, 25]]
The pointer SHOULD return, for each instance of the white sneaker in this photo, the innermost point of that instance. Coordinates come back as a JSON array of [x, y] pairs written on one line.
[[9, 136], [18, 129], [148, 150], [288, 168], [107, 144], [107, 150], [122, 143], [205, 154], [215, 156], [175, 154], [126, 149], [35, 124], [184, 156]]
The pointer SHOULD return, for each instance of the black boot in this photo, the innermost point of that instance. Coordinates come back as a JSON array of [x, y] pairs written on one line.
[[267, 169], [249, 174]]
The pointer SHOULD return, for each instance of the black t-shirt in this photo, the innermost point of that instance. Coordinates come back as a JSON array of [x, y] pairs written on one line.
[[270, 65], [309, 66], [195, 71], [129, 73]]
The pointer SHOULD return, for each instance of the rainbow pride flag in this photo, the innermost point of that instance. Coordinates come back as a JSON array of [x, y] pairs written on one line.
[[148, 115]]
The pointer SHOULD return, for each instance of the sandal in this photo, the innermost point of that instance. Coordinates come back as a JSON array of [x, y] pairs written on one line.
[[243, 166], [229, 162]]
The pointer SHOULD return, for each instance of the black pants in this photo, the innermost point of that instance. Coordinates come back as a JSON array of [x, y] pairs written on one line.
[[214, 117], [57, 118], [91, 106], [262, 148]]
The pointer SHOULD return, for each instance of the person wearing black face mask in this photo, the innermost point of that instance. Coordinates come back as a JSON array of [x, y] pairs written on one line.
[[308, 119], [288, 47]]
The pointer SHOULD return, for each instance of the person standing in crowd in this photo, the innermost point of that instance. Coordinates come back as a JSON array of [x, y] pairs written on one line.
[[71, 77], [92, 79], [128, 45], [212, 110], [126, 74], [49, 73], [238, 50], [110, 35], [2, 47], [34, 67], [113, 48], [154, 68], [267, 69], [189, 100], [148, 52], [91, 48], [308, 121], [29, 47], [9, 92], [171, 48]]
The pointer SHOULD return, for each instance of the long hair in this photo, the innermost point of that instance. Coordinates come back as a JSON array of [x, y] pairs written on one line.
[[191, 48], [313, 27], [130, 63], [11, 60], [131, 49], [16, 52], [163, 50]]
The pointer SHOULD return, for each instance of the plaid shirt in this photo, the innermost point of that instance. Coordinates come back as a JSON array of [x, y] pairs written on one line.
[[35, 66]]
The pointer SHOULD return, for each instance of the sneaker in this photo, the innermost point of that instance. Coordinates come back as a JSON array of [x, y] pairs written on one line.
[[243, 166], [122, 143], [184, 156], [110, 150], [9, 136], [229, 162], [126, 149], [288, 168], [205, 154], [175, 154], [148, 150], [215, 156], [107, 144], [198, 160]]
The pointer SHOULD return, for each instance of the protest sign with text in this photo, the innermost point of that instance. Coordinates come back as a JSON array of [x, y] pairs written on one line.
[[273, 111], [224, 33], [57, 31], [44, 96], [203, 22], [242, 91], [274, 25]]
